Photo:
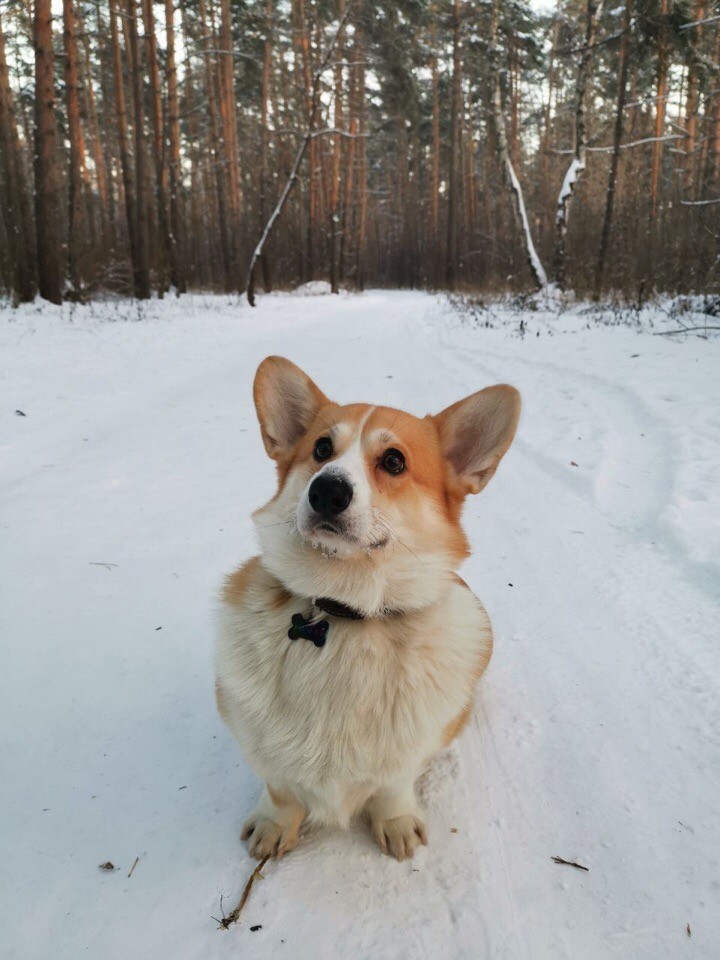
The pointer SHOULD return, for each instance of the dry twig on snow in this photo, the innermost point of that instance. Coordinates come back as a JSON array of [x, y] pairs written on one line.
[[570, 863], [234, 916]]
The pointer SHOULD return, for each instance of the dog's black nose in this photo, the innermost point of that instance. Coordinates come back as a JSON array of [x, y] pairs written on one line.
[[329, 494]]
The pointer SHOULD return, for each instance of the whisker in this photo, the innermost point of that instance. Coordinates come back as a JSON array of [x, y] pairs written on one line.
[[403, 544]]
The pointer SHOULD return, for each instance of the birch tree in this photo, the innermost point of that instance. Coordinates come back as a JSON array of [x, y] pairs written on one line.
[[577, 164], [512, 183], [615, 160]]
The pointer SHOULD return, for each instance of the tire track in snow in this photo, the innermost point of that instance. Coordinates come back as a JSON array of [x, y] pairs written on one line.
[[627, 487], [617, 404]]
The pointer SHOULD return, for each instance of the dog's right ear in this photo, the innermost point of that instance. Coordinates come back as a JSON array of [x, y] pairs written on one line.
[[286, 400]]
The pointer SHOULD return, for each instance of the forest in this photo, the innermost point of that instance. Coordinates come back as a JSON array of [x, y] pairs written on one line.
[[242, 145]]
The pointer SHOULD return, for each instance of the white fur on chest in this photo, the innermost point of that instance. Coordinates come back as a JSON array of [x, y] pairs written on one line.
[[335, 724]]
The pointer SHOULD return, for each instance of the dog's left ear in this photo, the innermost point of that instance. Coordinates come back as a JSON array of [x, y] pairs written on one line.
[[475, 433], [286, 401]]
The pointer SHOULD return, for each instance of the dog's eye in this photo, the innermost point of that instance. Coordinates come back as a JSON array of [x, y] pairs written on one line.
[[323, 449], [393, 461]]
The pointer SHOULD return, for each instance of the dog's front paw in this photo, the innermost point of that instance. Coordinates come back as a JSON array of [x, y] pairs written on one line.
[[400, 836], [265, 838]]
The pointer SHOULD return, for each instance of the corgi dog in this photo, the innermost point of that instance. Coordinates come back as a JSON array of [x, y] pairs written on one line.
[[349, 650]]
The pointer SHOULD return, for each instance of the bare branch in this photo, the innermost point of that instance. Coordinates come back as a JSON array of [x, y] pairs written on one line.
[[698, 23], [274, 216], [669, 333]]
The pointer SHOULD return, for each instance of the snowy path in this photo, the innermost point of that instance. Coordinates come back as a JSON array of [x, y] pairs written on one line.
[[125, 494]]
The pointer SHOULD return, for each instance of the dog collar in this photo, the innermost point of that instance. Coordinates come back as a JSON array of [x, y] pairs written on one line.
[[310, 628], [337, 609]]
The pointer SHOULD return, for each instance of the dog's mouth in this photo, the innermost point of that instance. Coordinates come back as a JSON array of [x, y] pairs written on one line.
[[331, 528], [335, 537]]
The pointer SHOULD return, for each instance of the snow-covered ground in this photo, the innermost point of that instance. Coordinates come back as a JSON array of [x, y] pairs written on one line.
[[125, 495]]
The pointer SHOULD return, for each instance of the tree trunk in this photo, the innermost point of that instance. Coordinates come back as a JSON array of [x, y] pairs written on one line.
[[98, 153], [114, 182], [362, 177], [691, 107], [435, 139], [347, 210], [77, 152], [471, 192], [264, 176], [305, 66], [547, 109], [16, 206], [142, 269], [338, 120], [512, 183], [577, 166], [660, 109], [215, 148], [177, 234], [711, 114], [122, 132], [201, 240], [612, 180], [513, 98], [230, 139], [158, 148], [715, 148], [451, 246], [47, 179]]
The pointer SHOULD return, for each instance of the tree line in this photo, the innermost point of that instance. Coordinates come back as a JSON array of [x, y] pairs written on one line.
[[240, 144]]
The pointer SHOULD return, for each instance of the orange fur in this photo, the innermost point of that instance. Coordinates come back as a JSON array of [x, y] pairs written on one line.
[[252, 576], [456, 726], [237, 583]]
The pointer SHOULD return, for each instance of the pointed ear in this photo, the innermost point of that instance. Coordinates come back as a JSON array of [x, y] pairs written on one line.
[[475, 433], [286, 401]]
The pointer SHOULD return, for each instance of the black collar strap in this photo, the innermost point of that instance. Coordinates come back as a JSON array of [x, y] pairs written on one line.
[[337, 609], [312, 628]]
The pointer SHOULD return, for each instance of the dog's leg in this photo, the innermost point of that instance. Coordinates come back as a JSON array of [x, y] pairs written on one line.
[[396, 820], [273, 828]]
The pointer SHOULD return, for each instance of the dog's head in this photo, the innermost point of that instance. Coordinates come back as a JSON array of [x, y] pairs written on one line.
[[368, 505]]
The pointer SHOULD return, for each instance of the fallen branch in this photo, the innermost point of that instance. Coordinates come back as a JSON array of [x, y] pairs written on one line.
[[667, 333], [570, 863], [135, 863], [234, 916]]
